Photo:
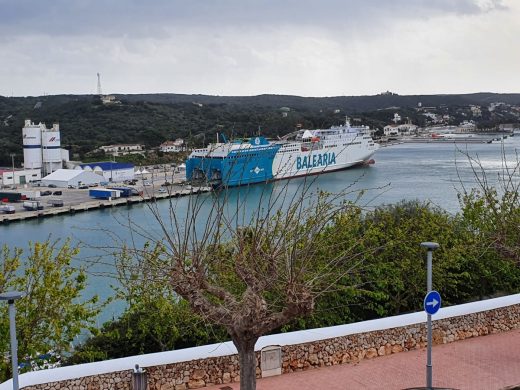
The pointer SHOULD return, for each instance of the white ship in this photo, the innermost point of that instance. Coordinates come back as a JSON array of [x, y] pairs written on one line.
[[304, 152]]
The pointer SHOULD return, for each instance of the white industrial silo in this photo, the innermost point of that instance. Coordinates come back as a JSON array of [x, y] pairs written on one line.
[[32, 145], [51, 149]]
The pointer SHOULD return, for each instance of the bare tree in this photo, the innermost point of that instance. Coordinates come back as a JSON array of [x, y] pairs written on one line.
[[250, 268]]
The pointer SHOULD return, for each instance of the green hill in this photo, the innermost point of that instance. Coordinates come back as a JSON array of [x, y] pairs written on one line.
[[150, 119]]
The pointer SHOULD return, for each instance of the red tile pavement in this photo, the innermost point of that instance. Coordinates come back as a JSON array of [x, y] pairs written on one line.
[[487, 363]]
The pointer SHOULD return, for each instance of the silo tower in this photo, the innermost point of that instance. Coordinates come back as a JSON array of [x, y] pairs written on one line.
[[51, 149], [32, 145], [42, 147]]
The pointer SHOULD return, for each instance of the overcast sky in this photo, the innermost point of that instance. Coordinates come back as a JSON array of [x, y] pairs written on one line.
[[250, 47]]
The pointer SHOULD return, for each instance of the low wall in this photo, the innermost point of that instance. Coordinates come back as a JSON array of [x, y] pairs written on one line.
[[217, 364]]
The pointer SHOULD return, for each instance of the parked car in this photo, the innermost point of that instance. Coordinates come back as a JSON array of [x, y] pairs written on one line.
[[45, 193], [71, 186], [161, 190], [52, 186], [166, 184], [83, 187], [147, 183], [57, 193]]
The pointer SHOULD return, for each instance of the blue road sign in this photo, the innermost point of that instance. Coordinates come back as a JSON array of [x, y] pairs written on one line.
[[432, 302]]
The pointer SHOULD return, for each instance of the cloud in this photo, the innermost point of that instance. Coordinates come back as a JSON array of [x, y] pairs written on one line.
[[137, 18], [249, 47]]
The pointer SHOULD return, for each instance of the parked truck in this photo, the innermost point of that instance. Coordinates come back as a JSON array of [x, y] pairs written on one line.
[[104, 193], [125, 191], [32, 205], [55, 202], [30, 194], [10, 196]]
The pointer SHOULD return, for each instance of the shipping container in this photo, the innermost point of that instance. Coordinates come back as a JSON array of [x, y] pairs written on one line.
[[104, 194], [10, 196]]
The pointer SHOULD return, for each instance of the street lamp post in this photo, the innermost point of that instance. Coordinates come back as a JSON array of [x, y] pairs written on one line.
[[12, 160], [430, 246], [10, 297]]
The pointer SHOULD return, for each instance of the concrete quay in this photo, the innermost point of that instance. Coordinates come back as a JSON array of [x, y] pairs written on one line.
[[100, 204]]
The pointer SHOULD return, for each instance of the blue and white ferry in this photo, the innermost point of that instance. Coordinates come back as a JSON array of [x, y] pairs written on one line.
[[304, 152]]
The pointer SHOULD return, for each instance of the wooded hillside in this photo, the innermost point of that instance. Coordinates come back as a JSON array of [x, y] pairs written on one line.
[[151, 119]]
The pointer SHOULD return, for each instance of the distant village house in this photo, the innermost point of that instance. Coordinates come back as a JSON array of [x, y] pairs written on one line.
[[403, 129], [467, 127], [122, 149], [173, 146]]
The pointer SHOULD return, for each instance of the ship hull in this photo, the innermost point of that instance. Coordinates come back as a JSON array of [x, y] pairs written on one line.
[[259, 160]]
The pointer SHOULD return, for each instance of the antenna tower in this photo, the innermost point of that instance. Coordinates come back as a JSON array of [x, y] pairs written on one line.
[[99, 85]]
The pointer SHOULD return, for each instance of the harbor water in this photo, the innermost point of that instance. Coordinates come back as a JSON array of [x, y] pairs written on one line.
[[433, 172]]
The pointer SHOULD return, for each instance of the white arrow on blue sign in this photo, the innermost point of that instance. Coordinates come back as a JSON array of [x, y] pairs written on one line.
[[432, 302]]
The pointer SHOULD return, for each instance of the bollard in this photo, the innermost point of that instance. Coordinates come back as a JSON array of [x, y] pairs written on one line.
[[139, 379]]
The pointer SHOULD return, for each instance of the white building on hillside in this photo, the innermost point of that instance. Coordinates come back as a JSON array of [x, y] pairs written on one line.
[[475, 110], [122, 149], [391, 130], [467, 127], [403, 129], [173, 146]]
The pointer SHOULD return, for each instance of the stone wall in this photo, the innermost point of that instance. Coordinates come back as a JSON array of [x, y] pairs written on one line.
[[338, 350], [356, 347], [115, 380]]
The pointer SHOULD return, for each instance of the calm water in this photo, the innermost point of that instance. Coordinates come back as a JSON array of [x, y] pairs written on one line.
[[407, 171]]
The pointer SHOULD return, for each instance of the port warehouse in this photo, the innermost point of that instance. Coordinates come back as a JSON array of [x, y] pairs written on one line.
[[111, 171], [63, 178], [89, 174], [10, 177]]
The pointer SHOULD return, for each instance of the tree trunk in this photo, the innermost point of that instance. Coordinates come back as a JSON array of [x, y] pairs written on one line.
[[247, 359]]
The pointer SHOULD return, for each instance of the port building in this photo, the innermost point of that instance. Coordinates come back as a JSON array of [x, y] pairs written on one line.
[[12, 177], [64, 178], [111, 171], [42, 147]]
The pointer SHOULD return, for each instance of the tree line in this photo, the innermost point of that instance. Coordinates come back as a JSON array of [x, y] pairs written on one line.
[[86, 123]]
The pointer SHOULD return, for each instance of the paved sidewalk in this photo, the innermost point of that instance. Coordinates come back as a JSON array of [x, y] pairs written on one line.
[[486, 363]]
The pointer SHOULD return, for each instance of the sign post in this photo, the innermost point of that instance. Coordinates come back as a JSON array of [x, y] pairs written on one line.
[[432, 303]]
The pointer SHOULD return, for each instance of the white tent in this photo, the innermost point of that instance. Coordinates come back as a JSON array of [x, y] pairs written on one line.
[[71, 177]]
